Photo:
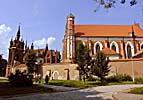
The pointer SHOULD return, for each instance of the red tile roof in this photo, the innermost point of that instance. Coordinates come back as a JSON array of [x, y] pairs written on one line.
[[109, 51], [107, 30], [138, 53]]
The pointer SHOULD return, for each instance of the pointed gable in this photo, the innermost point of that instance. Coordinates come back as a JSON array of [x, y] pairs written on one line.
[[109, 51]]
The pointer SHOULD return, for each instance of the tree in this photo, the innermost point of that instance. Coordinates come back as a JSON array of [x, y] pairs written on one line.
[[82, 58], [107, 4], [30, 59], [100, 66], [3, 64]]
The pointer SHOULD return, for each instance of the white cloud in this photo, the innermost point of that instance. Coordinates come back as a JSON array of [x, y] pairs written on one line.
[[39, 43], [42, 43], [4, 31], [51, 40]]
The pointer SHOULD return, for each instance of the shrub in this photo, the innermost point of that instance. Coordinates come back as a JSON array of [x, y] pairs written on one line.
[[139, 80], [91, 78], [113, 79], [119, 78], [126, 78], [20, 79]]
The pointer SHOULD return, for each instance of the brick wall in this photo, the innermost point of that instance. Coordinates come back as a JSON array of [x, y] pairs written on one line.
[[127, 67], [63, 71]]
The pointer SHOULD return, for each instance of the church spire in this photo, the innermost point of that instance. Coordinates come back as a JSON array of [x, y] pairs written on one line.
[[46, 46], [18, 32]]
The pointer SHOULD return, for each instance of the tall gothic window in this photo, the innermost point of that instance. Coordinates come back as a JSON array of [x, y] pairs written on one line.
[[97, 47], [129, 52], [142, 46], [113, 47]]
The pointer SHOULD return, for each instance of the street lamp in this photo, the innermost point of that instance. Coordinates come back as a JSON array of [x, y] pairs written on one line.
[[133, 50], [133, 76]]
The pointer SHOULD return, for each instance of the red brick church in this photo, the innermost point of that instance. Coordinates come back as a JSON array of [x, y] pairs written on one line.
[[123, 44], [117, 41], [18, 48]]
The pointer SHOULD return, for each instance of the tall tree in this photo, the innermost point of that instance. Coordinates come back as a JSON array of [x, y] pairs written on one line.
[[30, 59], [100, 66], [82, 58], [107, 4], [3, 64]]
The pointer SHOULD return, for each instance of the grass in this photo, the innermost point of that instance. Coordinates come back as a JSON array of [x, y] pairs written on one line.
[[137, 91], [81, 84], [120, 83], [3, 80], [72, 83], [7, 90]]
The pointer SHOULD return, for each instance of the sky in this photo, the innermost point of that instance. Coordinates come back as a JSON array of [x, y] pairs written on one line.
[[43, 21]]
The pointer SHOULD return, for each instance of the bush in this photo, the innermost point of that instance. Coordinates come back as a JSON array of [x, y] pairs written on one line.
[[139, 80], [126, 78], [119, 78], [20, 79], [91, 78]]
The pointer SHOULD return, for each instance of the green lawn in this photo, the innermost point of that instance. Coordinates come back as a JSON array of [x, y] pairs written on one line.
[[72, 83], [81, 84], [119, 83], [3, 80], [137, 91]]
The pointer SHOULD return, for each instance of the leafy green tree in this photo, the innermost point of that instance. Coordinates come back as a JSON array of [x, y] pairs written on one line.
[[111, 3], [100, 66], [3, 64], [82, 58], [30, 59]]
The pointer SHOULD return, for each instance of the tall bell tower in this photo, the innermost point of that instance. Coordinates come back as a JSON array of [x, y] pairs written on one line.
[[69, 40], [16, 53]]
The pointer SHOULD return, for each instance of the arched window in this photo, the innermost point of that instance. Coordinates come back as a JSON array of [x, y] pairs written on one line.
[[113, 47], [129, 48], [142, 46], [97, 47], [129, 51]]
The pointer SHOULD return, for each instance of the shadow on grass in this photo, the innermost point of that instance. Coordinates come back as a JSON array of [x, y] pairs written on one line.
[[7, 90]]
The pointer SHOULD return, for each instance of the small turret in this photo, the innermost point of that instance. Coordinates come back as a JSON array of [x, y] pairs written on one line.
[[46, 46], [70, 21], [26, 45], [18, 33], [11, 42], [32, 46]]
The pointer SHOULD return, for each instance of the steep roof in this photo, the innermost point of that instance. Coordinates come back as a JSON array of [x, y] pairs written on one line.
[[109, 51], [107, 30], [139, 53], [47, 52]]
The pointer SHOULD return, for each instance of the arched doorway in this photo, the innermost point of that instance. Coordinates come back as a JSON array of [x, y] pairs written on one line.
[[55, 75]]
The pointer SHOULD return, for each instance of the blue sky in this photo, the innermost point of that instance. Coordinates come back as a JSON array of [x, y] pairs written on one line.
[[45, 20]]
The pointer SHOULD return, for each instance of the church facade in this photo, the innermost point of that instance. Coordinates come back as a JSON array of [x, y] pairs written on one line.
[[116, 41], [18, 48]]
